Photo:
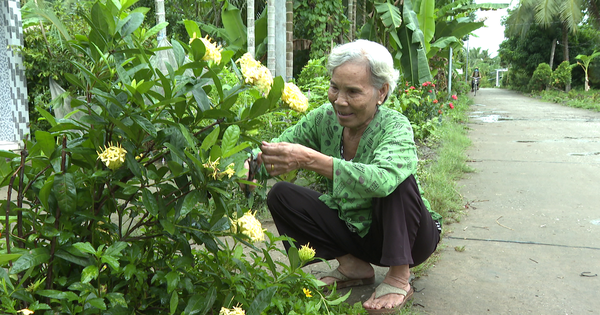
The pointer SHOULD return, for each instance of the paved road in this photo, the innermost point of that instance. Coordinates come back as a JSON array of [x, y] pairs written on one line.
[[531, 236]]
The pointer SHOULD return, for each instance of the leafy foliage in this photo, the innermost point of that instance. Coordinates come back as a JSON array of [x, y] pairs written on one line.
[[561, 77], [151, 233], [541, 78], [322, 22]]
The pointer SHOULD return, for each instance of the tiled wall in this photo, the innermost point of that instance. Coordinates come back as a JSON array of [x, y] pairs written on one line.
[[14, 117]]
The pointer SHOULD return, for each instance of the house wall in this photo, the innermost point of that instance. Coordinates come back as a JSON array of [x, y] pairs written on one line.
[[14, 116]]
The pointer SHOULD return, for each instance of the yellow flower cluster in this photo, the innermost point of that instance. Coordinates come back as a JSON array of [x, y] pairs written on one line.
[[113, 157], [234, 311], [306, 253], [249, 226], [25, 311], [214, 167], [294, 98], [213, 52], [255, 73]]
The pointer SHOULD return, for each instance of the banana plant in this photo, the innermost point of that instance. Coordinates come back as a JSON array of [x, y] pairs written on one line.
[[585, 64]]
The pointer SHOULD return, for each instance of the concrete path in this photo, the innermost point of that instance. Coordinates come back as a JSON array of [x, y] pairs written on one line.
[[531, 234]]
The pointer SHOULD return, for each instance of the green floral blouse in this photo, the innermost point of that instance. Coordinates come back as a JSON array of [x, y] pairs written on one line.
[[385, 157]]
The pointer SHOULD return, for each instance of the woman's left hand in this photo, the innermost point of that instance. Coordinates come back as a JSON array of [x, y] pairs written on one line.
[[281, 157]]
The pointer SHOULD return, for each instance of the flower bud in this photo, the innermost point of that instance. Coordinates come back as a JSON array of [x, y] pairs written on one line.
[[306, 253]]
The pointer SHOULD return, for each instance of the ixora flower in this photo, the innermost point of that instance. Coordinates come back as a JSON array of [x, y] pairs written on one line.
[[213, 52], [234, 311], [454, 97], [255, 73], [112, 156], [25, 311], [451, 105], [249, 226], [307, 292], [306, 253], [294, 98]]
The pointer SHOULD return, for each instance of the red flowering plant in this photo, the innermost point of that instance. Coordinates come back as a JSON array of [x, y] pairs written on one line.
[[417, 103]]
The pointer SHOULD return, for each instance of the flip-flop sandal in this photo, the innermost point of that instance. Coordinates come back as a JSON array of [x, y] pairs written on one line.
[[384, 289], [343, 280]]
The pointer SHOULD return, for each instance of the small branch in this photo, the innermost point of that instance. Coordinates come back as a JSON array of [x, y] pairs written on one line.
[[504, 226], [24, 154], [220, 120]]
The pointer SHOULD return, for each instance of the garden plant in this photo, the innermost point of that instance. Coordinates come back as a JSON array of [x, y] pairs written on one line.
[[128, 209]]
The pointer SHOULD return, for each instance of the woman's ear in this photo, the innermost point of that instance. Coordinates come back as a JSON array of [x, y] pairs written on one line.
[[383, 93]]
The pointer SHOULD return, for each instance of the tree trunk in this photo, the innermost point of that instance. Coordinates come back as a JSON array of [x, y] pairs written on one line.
[[271, 36], [552, 54], [566, 52], [352, 18], [250, 22], [289, 47]]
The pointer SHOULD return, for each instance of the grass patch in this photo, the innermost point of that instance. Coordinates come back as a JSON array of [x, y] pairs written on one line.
[[439, 174], [574, 98]]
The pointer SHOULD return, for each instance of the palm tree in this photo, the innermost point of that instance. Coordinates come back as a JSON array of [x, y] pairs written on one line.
[[546, 13]]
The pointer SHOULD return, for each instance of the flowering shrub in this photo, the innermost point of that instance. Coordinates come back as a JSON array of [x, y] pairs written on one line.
[[128, 209], [420, 106]]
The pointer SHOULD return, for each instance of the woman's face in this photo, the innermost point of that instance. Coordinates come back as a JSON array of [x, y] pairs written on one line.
[[353, 96]]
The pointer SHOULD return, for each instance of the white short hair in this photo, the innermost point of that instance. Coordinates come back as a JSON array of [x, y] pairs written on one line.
[[377, 57]]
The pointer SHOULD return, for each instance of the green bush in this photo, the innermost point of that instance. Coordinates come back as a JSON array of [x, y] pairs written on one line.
[[541, 78], [518, 79], [128, 209], [561, 77]]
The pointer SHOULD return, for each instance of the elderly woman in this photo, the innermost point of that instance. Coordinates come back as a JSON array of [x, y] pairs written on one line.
[[373, 212]]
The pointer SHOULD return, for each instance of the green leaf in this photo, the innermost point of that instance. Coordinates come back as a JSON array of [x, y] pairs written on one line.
[[168, 226], [231, 17], [201, 304], [276, 91], [294, 257], [262, 300], [188, 137], [67, 255], [46, 141], [192, 28], [201, 98], [49, 118], [59, 295], [85, 248], [150, 202], [116, 298], [189, 203], [144, 124], [340, 299], [259, 107], [129, 271], [426, 19], [112, 261], [130, 23], [97, 303], [211, 139], [174, 302], [155, 29], [179, 53], [230, 138], [65, 192], [36, 257], [172, 280], [235, 150], [115, 249], [45, 192], [390, 15], [5, 258], [89, 273]]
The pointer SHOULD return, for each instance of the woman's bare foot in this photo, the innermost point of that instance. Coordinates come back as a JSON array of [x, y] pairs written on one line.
[[397, 276], [352, 268]]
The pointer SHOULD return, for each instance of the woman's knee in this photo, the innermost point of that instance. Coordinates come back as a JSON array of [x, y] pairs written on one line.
[[276, 194]]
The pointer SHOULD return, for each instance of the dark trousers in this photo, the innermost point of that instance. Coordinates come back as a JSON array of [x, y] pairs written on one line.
[[402, 231]]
